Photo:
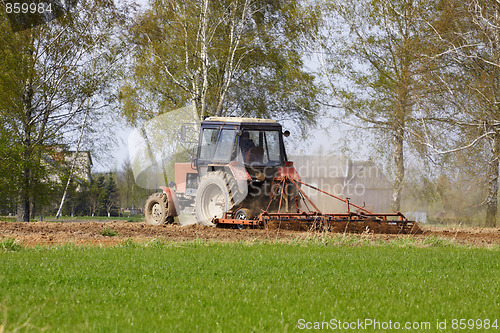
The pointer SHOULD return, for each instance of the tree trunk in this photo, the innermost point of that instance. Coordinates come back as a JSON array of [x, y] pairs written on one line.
[[23, 204], [397, 187], [204, 58], [229, 67], [73, 164], [23, 209], [492, 176], [493, 168]]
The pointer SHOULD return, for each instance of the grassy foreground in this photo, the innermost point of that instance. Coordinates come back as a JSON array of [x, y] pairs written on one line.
[[207, 287]]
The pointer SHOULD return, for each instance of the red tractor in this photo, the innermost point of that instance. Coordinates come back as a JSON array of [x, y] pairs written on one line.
[[237, 163]]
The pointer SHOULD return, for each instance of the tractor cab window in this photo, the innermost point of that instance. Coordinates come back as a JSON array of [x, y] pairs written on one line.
[[260, 147], [217, 146], [208, 143], [225, 147]]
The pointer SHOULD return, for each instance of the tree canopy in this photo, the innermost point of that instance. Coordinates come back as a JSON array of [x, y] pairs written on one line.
[[229, 57]]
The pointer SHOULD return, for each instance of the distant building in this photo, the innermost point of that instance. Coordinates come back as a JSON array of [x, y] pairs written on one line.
[[360, 181], [59, 160]]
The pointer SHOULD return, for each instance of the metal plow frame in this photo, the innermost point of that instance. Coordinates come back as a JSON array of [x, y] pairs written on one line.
[[355, 222]]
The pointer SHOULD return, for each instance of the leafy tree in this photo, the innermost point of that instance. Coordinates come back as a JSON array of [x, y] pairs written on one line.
[[101, 197], [130, 195], [374, 64], [228, 57], [111, 195], [94, 196], [467, 39], [52, 74]]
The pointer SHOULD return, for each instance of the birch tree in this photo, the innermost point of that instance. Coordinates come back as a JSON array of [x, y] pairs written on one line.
[[51, 75], [228, 57], [373, 59]]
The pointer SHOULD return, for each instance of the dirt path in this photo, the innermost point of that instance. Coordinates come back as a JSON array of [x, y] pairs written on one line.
[[52, 233]]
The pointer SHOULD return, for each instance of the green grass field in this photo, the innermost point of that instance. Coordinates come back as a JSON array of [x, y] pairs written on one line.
[[240, 287]]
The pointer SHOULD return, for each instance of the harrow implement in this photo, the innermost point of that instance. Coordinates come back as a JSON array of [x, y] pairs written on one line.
[[359, 221]]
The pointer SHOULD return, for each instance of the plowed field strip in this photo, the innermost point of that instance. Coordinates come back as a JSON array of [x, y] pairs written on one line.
[[51, 233]]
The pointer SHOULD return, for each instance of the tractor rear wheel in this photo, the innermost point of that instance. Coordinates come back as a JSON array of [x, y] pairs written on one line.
[[156, 209], [213, 197]]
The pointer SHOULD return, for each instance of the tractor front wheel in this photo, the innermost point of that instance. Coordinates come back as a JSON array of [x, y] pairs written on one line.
[[156, 210]]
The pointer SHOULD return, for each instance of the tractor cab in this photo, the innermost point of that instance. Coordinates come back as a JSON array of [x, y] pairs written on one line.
[[253, 143]]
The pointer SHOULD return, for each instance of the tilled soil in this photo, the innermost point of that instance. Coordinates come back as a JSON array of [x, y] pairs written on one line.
[[94, 233]]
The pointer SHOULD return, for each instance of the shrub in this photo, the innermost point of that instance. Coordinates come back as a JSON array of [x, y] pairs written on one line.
[[108, 232], [10, 244]]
